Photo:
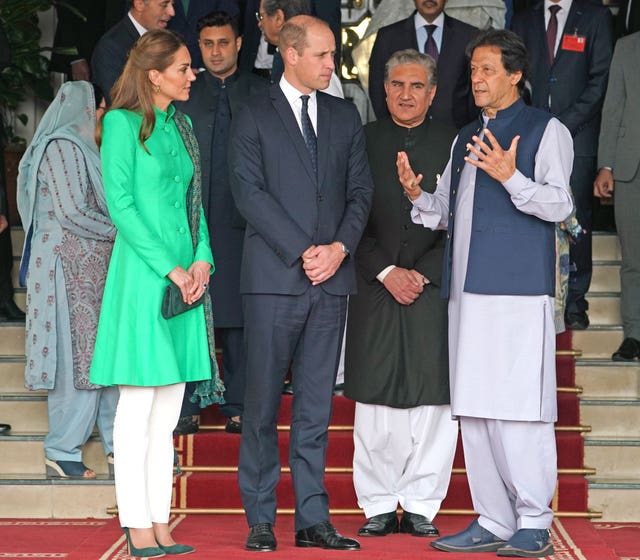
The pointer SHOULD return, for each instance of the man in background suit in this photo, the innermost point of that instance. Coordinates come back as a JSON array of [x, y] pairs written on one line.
[[327, 10], [215, 97], [453, 102], [300, 177], [110, 54], [570, 82], [82, 33], [187, 15], [619, 164]]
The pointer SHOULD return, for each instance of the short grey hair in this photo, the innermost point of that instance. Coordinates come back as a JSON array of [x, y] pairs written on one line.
[[412, 56]]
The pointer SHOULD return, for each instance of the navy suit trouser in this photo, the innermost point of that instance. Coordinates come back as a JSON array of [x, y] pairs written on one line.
[[304, 331], [582, 176]]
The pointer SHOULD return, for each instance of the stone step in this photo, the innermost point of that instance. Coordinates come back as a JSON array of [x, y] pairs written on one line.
[[20, 297], [606, 247], [24, 454], [617, 498], [612, 456], [17, 241], [606, 277], [611, 417], [12, 375], [15, 271], [25, 413], [598, 341], [28, 496], [604, 308], [604, 378], [11, 339]]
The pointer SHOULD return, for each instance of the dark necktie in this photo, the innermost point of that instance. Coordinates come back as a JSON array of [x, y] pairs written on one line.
[[552, 32], [430, 46], [308, 133]]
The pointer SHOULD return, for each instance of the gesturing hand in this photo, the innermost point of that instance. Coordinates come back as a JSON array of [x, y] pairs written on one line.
[[408, 179], [496, 162]]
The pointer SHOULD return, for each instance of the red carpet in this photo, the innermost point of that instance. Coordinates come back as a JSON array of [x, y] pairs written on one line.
[[223, 537], [624, 538]]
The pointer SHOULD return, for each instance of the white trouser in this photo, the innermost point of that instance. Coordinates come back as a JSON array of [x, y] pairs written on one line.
[[512, 472], [143, 452], [403, 456]]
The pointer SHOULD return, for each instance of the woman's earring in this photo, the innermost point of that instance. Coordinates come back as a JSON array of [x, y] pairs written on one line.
[[156, 89]]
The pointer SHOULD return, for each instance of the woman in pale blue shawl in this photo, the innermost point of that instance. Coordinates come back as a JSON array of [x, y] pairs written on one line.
[[66, 256]]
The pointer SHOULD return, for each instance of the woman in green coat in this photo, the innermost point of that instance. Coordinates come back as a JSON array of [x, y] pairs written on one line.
[[151, 174]]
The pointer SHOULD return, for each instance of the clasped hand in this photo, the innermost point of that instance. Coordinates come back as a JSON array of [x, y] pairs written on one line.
[[404, 285], [320, 262], [192, 282]]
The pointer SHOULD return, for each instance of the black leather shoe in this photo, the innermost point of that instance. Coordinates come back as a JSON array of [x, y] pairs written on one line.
[[10, 311], [233, 427], [324, 535], [578, 321], [287, 388], [418, 525], [261, 538], [380, 525], [629, 350], [5, 428]]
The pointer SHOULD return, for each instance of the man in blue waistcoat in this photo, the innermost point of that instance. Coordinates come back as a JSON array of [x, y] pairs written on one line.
[[505, 185]]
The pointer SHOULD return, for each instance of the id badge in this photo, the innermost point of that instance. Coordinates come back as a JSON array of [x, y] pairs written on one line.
[[575, 43]]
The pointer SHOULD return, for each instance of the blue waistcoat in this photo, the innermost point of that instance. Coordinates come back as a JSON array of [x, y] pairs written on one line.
[[510, 253]]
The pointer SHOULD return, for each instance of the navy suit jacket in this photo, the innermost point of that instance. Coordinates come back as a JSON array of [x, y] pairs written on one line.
[[110, 54], [577, 81], [287, 207], [453, 102], [185, 24]]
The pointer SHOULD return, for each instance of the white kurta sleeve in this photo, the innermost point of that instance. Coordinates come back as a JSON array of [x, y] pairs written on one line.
[[546, 196]]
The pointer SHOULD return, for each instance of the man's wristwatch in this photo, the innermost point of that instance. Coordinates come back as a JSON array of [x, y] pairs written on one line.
[[344, 248]]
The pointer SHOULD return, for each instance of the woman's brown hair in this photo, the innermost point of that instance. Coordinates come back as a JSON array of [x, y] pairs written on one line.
[[155, 50]]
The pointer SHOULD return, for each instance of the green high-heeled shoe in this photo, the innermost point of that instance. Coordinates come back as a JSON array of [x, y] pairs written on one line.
[[177, 549], [147, 552]]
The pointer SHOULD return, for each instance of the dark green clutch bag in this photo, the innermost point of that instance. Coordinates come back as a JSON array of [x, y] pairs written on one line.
[[173, 304]]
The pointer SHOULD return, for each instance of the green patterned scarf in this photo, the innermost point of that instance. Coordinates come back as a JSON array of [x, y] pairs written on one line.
[[208, 391]]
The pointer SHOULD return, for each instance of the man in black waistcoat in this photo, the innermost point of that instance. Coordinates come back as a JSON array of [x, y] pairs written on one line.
[[396, 351], [214, 98]]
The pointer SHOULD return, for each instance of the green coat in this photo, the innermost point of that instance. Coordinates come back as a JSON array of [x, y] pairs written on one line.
[[146, 194]]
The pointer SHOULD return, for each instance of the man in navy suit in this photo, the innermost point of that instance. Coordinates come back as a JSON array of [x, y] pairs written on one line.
[[110, 54], [570, 82], [300, 177], [453, 102]]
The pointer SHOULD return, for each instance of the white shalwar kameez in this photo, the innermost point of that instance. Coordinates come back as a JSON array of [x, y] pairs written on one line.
[[502, 352]]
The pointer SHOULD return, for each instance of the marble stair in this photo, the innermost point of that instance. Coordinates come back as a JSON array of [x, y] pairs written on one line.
[[610, 401]]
